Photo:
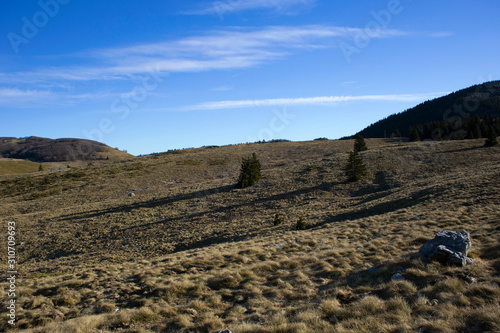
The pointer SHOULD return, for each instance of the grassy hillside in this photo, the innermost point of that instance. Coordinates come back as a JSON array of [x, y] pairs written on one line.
[[478, 100], [166, 243], [12, 166], [38, 149]]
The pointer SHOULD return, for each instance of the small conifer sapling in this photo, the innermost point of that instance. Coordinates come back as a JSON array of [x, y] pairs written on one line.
[[355, 169], [250, 173], [301, 224], [277, 219], [359, 143]]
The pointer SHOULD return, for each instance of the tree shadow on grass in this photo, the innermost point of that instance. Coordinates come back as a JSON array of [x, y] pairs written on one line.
[[382, 208], [150, 203]]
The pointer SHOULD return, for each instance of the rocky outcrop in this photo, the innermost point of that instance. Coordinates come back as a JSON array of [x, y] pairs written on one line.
[[448, 247]]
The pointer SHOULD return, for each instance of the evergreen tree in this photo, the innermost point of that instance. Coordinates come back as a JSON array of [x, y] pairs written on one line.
[[40, 168], [414, 136], [250, 172], [355, 169], [492, 140], [477, 132], [359, 143], [301, 224], [397, 133], [277, 219], [484, 129]]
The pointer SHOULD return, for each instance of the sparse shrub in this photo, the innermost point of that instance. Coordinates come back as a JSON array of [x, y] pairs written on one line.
[[355, 169], [301, 224], [250, 172], [359, 143], [277, 219]]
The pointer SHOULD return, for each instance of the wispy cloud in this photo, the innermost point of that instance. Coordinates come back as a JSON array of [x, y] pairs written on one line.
[[23, 98], [18, 93], [221, 7], [441, 34], [234, 48], [28, 98], [321, 100]]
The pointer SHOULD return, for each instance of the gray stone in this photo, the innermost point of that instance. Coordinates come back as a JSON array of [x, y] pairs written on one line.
[[455, 241], [397, 277], [447, 256], [449, 247]]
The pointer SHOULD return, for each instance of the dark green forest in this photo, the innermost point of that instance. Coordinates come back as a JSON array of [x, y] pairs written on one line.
[[467, 113]]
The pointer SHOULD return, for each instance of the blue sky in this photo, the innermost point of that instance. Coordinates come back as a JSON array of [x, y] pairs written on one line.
[[148, 76]]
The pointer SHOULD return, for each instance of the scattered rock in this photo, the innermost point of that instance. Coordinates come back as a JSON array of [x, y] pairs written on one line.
[[226, 331], [446, 255], [448, 247], [131, 194], [397, 277]]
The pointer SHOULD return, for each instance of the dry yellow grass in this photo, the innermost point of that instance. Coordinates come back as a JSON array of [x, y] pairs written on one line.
[[191, 253]]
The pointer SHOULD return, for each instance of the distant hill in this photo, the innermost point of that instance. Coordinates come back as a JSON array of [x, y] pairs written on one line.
[[37, 149], [478, 100]]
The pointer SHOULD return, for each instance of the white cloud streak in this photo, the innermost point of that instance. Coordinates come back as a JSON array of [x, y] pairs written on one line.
[[300, 101], [221, 7], [236, 48], [18, 93], [24, 98]]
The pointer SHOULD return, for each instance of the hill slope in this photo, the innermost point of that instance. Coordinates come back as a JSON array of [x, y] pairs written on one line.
[[189, 252], [38, 149], [480, 100]]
